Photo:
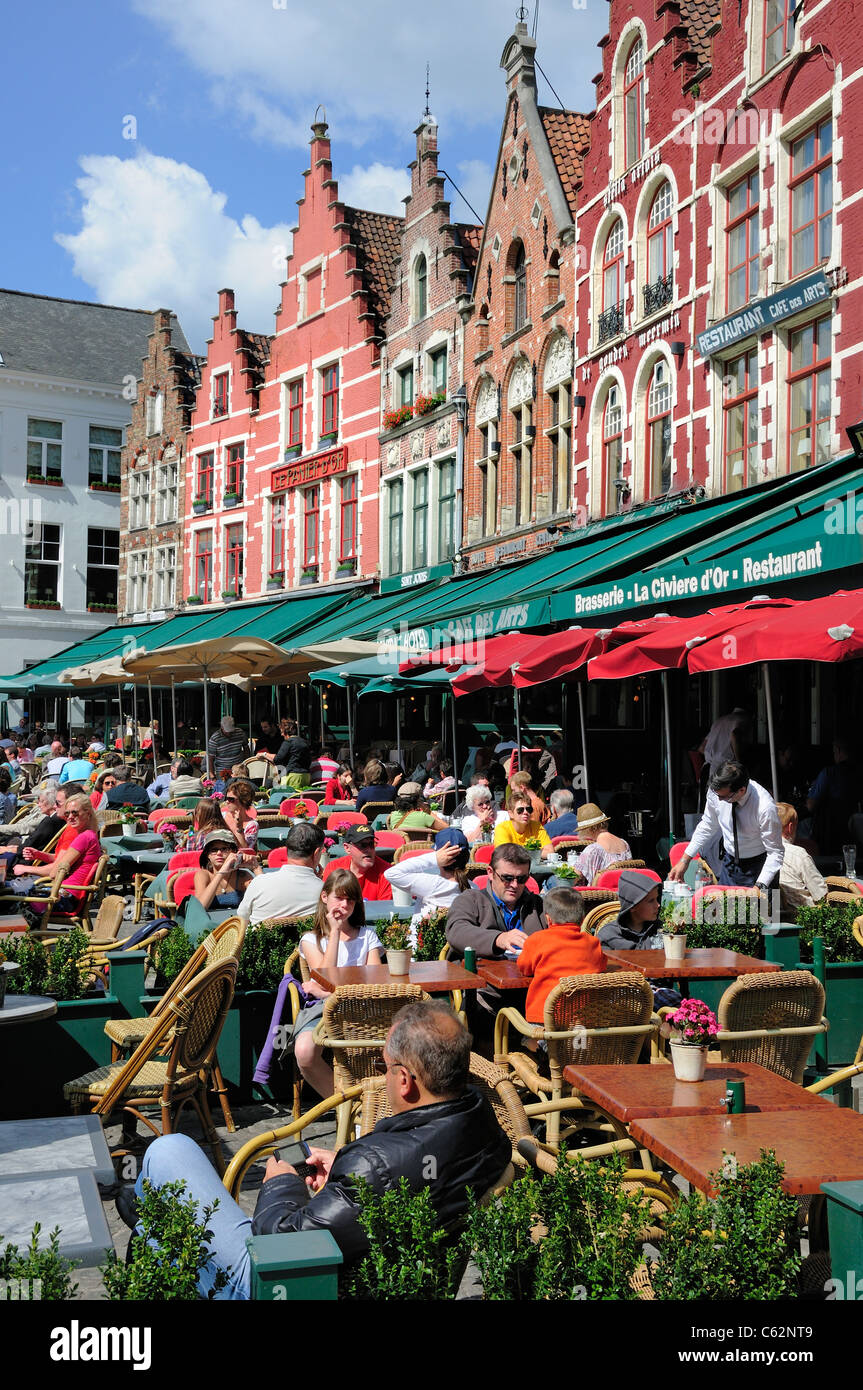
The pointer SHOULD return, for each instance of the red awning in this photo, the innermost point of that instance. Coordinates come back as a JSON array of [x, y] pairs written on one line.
[[669, 645], [818, 629]]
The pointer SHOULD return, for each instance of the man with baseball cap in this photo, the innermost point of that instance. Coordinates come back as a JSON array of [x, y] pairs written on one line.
[[362, 861]]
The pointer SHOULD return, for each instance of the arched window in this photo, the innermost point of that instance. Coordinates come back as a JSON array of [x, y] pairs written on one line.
[[421, 287], [659, 432], [659, 287], [520, 307], [611, 317], [612, 450], [633, 105]]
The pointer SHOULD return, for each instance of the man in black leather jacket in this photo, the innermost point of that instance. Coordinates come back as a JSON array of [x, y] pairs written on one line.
[[441, 1134]]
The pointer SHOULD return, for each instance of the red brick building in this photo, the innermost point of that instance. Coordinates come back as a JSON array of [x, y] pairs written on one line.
[[423, 366], [519, 335], [153, 482], [314, 516], [719, 292], [220, 480]]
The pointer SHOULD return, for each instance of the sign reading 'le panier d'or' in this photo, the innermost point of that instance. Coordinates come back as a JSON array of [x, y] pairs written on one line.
[[762, 313], [310, 470]]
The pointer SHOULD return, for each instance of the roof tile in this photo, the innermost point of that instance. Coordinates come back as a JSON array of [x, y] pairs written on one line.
[[568, 134]]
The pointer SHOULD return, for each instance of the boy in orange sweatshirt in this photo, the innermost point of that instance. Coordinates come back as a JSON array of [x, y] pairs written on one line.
[[561, 950]]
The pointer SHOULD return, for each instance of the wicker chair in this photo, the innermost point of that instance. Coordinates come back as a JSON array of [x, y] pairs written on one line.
[[597, 916], [52, 921], [601, 1019], [838, 883], [412, 848], [224, 942], [371, 809], [355, 1024], [772, 1020], [188, 1031], [857, 930], [619, 864]]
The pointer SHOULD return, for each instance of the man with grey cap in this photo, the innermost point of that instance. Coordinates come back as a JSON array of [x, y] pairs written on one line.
[[227, 746], [637, 927]]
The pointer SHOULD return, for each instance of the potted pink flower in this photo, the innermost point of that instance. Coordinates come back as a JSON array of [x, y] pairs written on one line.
[[691, 1029]]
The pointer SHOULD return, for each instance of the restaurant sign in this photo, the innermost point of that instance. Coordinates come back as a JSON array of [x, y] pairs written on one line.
[[310, 470], [473, 627], [763, 313]]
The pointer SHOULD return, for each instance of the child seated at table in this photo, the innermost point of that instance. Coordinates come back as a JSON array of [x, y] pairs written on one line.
[[562, 950]]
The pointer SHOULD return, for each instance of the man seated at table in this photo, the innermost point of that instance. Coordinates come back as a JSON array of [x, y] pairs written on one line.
[[293, 890], [127, 792], [441, 1134], [77, 769], [800, 884], [361, 860], [636, 927], [562, 949], [564, 819], [58, 759], [35, 830]]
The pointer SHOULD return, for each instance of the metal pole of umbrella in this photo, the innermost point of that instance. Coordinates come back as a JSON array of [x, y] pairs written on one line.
[[278, 704], [517, 718], [174, 712], [250, 718], [668, 766], [207, 728], [135, 723], [350, 725], [455, 767], [297, 708], [768, 697], [321, 703], [398, 731], [120, 728], [152, 728], [583, 727]]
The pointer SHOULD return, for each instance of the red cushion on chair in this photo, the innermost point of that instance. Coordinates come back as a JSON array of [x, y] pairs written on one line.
[[389, 839], [277, 857], [183, 887], [677, 852], [337, 818], [184, 859], [289, 806], [481, 854], [609, 878]]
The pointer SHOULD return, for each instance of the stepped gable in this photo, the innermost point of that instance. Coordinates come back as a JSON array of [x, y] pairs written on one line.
[[377, 238], [568, 135]]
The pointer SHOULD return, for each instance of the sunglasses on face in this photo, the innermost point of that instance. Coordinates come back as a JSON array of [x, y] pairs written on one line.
[[522, 810], [514, 878], [73, 813]]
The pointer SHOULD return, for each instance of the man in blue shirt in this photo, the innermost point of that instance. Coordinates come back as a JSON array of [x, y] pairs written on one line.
[[565, 821]]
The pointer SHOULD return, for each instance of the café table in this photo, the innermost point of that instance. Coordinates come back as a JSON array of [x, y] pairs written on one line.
[[709, 963], [434, 976], [26, 1008], [815, 1149], [632, 1092], [504, 974]]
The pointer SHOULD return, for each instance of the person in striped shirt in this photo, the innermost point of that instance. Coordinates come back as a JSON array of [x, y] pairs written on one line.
[[228, 745]]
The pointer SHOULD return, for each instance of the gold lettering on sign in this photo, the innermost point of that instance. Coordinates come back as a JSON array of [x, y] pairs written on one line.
[[310, 470]]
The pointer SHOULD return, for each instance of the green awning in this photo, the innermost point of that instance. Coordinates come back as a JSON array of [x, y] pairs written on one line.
[[373, 676], [803, 529], [109, 642]]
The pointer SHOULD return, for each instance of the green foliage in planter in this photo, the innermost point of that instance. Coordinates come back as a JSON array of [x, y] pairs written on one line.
[[172, 953], [168, 1269], [833, 922], [500, 1237], [731, 937], [431, 936], [62, 971], [566, 873], [742, 1244], [411, 1257], [44, 1272], [265, 949], [396, 933]]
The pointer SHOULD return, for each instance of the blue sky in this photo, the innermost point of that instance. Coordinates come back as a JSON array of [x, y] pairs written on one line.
[[219, 96]]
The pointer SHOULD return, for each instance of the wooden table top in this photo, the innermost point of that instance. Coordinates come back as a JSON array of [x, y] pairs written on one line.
[[828, 1148], [701, 964], [434, 976], [651, 1092]]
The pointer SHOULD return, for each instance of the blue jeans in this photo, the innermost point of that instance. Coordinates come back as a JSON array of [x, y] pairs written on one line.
[[175, 1156]]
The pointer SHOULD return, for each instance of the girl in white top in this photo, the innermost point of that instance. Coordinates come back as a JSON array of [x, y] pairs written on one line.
[[340, 937]]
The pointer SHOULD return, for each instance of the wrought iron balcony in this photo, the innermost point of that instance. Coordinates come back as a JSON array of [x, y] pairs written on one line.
[[657, 295], [610, 324]]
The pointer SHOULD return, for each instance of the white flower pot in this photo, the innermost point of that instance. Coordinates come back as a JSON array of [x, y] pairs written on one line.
[[675, 947], [688, 1061], [399, 962], [402, 897]]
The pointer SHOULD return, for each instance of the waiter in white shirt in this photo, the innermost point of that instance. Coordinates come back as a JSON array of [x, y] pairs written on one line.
[[745, 814]]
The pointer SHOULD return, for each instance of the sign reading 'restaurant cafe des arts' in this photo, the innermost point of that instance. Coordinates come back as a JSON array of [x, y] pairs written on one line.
[[763, 313]]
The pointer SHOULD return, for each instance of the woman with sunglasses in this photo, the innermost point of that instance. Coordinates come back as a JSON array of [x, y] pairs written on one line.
[[238, 810], [221, 879], [521, 825], [340, 937], [77, 863], [104, 782]]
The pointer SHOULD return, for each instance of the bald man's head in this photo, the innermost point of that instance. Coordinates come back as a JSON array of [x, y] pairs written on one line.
[[430, 1040]]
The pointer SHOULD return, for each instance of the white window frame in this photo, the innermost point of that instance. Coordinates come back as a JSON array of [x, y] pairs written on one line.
[[167, 490], [139, 498], [136, 581], [165, 577]]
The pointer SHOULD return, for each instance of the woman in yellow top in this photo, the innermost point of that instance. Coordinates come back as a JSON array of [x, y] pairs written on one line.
[[521, 826]]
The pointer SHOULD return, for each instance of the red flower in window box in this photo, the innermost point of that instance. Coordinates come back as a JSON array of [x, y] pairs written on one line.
[[423, 405], [394, 418]]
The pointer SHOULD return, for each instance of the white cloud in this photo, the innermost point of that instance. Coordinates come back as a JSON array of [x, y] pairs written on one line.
[[380, 188], [154, 233], [366, 62]]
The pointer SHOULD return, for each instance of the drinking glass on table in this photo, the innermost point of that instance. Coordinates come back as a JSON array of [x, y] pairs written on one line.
[[849, 854]]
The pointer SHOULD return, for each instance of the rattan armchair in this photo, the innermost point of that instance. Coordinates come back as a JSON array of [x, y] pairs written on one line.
[[599, 914], [355, 1024], [171, 1067], [772, 1020], [604, 1019], [52, 920], [224, 942]]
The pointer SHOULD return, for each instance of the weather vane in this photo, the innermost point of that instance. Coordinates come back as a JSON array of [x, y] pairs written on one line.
[[521, 14], [427, 112]]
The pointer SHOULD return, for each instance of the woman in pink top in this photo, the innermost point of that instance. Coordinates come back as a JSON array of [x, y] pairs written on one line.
[[77, 864]]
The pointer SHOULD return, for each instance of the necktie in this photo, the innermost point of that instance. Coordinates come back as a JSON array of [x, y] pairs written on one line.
[[734, 832]]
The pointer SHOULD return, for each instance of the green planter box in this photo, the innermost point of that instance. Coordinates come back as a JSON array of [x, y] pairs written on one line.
[[844, 1010], [56, 1050]]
